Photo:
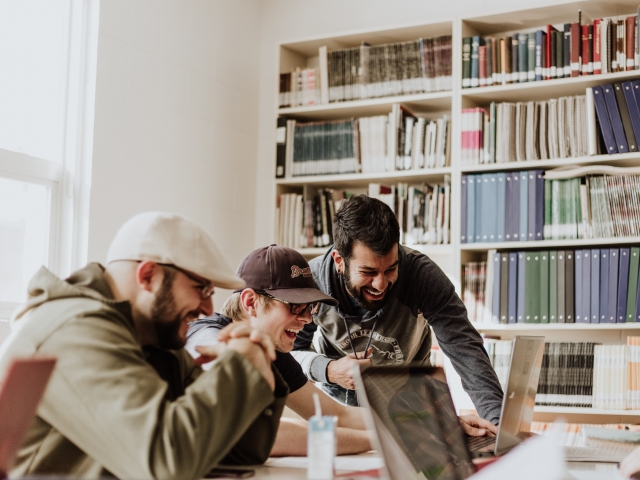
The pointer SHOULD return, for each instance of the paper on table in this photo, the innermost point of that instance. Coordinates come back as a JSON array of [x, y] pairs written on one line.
[[351, 463], [523, 462]]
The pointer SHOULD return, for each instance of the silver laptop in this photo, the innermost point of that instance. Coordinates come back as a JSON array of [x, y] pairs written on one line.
[[415, 423]]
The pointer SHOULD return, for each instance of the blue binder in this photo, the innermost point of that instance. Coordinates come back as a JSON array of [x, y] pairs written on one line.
[[471, 209], [508, 215], [515, 206], [532, 205], [463, 210], [539, 208], [524, 206], [614, 254], [603, 120], [478, 220], [623, 284], [614, 118], [586, 285], [595, 286], [604, 285], [495, 301], [501, 185], [578, 287], [488, 218]]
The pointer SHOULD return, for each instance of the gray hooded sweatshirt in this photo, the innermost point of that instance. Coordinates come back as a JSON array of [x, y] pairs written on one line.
[[422, 296]]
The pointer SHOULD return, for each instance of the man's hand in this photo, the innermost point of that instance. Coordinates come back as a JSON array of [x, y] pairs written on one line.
[[476, 426], [252, 351], [242, 330], [339, 371]]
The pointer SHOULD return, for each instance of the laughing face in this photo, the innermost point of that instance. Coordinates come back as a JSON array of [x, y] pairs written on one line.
[[368, 277], [280, 324]]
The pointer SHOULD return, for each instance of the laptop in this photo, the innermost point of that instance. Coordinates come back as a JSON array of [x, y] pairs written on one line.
[[415, 423], [20, 393]]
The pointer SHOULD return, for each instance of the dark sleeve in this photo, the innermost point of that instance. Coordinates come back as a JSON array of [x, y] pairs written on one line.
[[435, 297], [254, 446], [291, 371]]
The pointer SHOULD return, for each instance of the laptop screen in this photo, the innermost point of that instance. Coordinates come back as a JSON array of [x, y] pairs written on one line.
[[416, 424]]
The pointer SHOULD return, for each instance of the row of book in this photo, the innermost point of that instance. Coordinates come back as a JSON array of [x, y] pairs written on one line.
[[423, 211], [566, 375], [397, 141], [300, 87], [573, 49], [499, 352], [525, 131], [566, 286], [574, 434], [525, 206], [370, 71]]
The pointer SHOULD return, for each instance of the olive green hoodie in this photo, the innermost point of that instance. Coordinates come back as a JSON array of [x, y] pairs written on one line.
[[107, 411]]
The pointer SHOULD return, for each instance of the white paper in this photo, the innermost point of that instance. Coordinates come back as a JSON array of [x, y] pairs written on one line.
[[350, 463], [524, 462]]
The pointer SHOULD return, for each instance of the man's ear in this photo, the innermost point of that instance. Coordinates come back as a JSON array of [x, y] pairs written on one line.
[[146, 273], [338, 260], [249, 301]]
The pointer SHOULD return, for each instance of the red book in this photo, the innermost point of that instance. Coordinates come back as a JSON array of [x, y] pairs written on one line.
[[482, 61], [630, 34], [584, 61], [575, 49], [547, 65], [597, 62]]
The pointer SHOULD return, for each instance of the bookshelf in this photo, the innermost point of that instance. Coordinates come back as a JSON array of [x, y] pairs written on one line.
[[304, 53]]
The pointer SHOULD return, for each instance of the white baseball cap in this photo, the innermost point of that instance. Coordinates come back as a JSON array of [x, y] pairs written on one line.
[[172, 239]]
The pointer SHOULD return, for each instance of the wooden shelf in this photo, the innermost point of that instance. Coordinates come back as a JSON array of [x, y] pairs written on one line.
[[543, 90], [583, 410], [362, 180], [620, 160], [547, 244], [532, 327], [418, 103]]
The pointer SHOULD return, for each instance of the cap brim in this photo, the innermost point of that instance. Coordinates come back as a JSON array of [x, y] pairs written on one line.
[[302, 295], [230, 282]]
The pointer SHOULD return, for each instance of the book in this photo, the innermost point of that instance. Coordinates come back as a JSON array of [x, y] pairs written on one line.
[[614, 117], [544, 287], [504, 287], [634, 261], [553, 286], [626, 117], [623, 284], [604, 121], [595, 286], [521, 288], [562, 285], [604, 285], [512, 288], [579, 317], [570, 307]]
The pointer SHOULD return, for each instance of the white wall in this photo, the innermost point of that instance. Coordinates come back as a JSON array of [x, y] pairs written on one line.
[[291, 20], [176, 118]]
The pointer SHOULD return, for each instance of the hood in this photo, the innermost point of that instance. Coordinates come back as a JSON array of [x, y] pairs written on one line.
[[216, 320], [331, 283], [88, 282]]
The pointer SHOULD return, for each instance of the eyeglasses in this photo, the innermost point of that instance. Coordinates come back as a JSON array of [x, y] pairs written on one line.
[[206, 289], [294, 308]]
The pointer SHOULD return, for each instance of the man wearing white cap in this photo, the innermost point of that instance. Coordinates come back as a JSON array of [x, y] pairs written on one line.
[[125, 398]]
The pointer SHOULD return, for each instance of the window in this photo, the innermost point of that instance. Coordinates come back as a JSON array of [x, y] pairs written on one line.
[[48, 51]]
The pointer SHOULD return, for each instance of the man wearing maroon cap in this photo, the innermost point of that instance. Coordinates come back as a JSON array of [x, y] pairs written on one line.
[[279, 300]]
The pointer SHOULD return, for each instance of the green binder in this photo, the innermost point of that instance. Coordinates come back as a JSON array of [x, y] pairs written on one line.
[[633, 284], [532, 287], [544, 287], [553, 287]]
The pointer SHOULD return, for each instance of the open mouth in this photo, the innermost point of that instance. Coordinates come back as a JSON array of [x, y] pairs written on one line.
[[291, 332], [374, 294]]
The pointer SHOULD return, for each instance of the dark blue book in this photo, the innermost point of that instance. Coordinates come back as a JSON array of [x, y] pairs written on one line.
[[513, 288], [586, 285], [635, 84], [478, 220], [632, 106], [625, 116], [539, 207], [488, 218], [595, 286], [463, 210], [604, 285], [495, 301], [520, 299], [578, 293], [471, 208], [614, 261], [524, 206], [540, 47], [615, 119], [501, 184], [623, 284], [603, 120]]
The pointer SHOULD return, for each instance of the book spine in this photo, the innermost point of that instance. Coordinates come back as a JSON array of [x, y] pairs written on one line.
[[630, 30], [595, 286], [544, 287], [604, 285], [471, 208], [540, 36], [463, 212], [466, 62], [597, 40], [578, 287], [603, 120], [586, 285], [570, 306], [475, 45], [482, 65], [515, 65], [562, 272], [575, 49], [584, 48], [614, 254], [553, 286], [521, 288], [524, 209], [523, 61], [634, 262], [632, 107], [623, 284], [567, 50], [531, 57], [495, 300], [614, 117], [512, 288], [625, 117], [500, 187]]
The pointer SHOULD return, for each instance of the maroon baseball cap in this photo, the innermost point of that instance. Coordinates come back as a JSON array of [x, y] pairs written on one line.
[[283, 273]]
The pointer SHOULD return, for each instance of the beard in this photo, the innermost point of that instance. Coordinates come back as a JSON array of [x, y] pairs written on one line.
[[166, 318], [358, 294]]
